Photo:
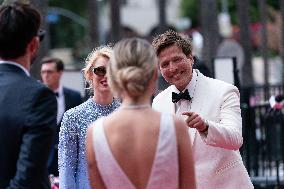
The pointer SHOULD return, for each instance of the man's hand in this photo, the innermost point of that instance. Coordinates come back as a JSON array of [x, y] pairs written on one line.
[[193, 120]]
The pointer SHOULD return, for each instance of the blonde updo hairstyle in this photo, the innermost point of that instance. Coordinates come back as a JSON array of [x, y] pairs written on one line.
[[131, 67], [90, 62]]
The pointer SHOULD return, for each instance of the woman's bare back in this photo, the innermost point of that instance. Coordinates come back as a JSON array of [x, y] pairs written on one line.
[[133, 138]]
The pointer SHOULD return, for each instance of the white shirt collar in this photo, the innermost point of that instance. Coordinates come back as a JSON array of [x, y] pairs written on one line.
[[16, 64], [59, 90], [60, 103]]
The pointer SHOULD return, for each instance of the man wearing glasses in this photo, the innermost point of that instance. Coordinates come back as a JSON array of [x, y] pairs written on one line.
[[27, 108], [51, 73]]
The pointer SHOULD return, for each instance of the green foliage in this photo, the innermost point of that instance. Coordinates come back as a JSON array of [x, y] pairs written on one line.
[[190, 9], [66, 32], [78, 7], [232, 7]]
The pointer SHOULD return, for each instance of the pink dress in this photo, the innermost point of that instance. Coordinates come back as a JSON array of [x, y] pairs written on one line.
[[164, 173]]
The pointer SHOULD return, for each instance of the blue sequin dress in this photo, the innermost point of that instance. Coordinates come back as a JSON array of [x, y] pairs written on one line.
[[72, 162]]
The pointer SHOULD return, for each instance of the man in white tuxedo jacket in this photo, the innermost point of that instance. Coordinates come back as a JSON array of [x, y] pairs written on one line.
[[211, 109]]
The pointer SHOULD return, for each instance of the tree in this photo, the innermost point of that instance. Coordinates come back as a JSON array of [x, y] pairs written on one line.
[[263, 46], [282, 32], [190, 9], [64, 31], [44, 47], [209, 30], [243, 17], [115, 33], [93, 23], [162, 15], [162, 12]]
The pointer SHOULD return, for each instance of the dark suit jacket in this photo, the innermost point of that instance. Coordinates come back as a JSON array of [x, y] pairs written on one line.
[[72, 98], [27, 126]]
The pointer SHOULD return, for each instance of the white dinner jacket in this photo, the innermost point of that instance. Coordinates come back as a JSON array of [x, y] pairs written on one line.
[[218, 163]]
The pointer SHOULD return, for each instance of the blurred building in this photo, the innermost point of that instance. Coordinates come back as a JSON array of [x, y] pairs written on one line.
[[142, 16]]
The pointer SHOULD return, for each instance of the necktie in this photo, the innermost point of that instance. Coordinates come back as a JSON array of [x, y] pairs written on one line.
[[183, 95], [56, 94]]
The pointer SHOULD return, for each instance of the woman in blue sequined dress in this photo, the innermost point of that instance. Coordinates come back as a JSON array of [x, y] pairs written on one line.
[[71, 149]]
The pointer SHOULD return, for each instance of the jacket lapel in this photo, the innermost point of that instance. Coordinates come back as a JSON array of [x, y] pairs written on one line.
[[198, 102], [167, 105], [200, 95]]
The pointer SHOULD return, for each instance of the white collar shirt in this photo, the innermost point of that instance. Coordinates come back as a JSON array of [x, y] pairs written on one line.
[[60, 103], [185, 105]]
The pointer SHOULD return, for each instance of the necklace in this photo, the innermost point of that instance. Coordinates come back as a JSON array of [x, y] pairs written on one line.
[[136, 106]]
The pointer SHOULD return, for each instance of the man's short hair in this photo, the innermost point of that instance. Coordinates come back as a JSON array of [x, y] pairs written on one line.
[[171, 37], [19, 23], [58, 62]]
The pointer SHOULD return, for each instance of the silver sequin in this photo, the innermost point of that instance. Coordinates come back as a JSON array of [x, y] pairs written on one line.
[[72, 162]]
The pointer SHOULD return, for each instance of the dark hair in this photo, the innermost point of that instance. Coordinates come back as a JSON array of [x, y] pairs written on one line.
[[58, 62], [19, 23], [171, 37]]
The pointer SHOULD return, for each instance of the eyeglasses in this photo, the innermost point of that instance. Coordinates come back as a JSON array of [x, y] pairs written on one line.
[[100, 71], [48, 71], [41, 34]]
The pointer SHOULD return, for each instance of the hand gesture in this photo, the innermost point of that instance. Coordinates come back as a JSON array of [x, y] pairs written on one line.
[[193, 120]]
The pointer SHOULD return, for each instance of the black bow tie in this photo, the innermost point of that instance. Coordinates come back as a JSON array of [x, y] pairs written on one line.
[[183, 95], [56, 94]]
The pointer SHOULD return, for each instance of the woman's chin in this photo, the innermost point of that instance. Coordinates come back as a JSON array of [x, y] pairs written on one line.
[[105, 89]]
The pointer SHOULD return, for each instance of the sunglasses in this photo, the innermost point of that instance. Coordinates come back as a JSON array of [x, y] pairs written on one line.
[[100, 71], [41, 34]]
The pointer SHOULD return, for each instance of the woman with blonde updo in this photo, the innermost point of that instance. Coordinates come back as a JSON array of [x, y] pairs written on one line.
[[136, 146]]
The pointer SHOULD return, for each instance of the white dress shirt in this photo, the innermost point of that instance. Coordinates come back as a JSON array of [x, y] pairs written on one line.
[[60, 103], [185, 105]]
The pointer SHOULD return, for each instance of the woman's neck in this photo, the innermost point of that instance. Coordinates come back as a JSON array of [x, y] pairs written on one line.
[[103, 99], [140, 101]]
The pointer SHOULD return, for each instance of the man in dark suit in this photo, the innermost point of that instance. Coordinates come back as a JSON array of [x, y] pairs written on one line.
[[27, 108], [51, 72]]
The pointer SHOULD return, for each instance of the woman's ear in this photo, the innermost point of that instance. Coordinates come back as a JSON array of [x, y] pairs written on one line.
[[89, 75]]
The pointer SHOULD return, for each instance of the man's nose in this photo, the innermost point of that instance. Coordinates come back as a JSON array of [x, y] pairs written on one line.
[[173, 67], [44, 75]]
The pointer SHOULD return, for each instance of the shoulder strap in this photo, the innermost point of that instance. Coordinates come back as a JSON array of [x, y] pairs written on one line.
[[164, 172], [109, 169]]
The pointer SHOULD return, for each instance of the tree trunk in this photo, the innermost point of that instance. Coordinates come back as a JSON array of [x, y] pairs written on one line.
[[42, 5], [115, 33], [93, 23], [245, 40], [209, 30], [282, 33], [263, 46], [162, 13]]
